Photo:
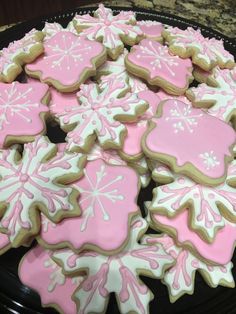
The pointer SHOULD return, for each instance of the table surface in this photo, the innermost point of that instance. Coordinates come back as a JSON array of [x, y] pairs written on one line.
[[219, 15]]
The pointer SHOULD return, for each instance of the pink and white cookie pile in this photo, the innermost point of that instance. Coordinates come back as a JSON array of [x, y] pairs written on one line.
[[117, 94]]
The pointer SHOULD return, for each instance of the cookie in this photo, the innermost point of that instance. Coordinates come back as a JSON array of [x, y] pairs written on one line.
[[18, 53], [113, 31], [177, 127], [99, 115], [219, 100], [132, 295], [153, 62], [220, 251], [36, 181], [51, 29], [39, 272], [202, 76], [23, 110], [68, 61], [205, 52], [208, 206], [107, 208], [180, 278], [151, 29]]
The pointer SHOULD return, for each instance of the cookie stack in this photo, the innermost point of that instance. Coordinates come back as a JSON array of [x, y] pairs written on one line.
[[119, 89]]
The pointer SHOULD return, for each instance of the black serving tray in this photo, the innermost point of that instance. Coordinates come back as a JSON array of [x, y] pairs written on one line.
[[16, 298]]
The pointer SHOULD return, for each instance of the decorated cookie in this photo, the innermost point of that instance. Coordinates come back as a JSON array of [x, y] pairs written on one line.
[[220, 251], [180, 278], [221, 99], [202, 76], [107, 207], [136, 259], [112, 31], [99, 115], [39, 272], [23, 110], [18, 53], [36, 181], [151, 29], [205, 52], [207, 204], [51, 29], [176, 128], [117, 69], [153, 62], [68, 61]]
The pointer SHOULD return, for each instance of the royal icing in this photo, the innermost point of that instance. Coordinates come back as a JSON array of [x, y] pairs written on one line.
[[136, 259], [33, 180], [67, 62], [21, 110], [180, 278], [114, 31], [96, 115], [162, 69], [51, 29], [106, 206], [221, 99], [179, 127], [18, 53], [151, 29], [207, 204], [205, 52], [39, 272]]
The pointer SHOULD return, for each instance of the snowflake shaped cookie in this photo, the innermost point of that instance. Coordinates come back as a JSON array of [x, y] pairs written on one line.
[[205, 52], [22, 111], [39, 272], [220, 99], [153, 62], [180, 278], [177, 122], [208, 205], [117, 69], [112, 31], [106, 205], [18, 53], [35, 182], [68, 61], [136, 259], [151, 29], [51, 29], [97, 116]]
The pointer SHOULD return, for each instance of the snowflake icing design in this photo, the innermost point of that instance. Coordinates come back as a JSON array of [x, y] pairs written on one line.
[[184, 118], [210, 160], [20, 109], [222, 99], [112, 29], [205, 202], [135, 259], [32, 180], [180, 277], [51, 29], [97, 114]]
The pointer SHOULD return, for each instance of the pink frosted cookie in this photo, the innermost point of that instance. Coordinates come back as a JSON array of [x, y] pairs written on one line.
[[107, 207], [180, 278], [51, 29], [151, 29], [36, 181], [112, 31], [99, 115], [207, 205], [221, 99], [153, 62], [218, 252], [18, 53], [205, 52], [68, 61], [132, 295], [117, 69], [202, 76], [23, 110], [175, 137], [39, 272]]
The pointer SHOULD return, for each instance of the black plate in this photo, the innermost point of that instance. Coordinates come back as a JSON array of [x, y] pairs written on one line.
[[16, 298]]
